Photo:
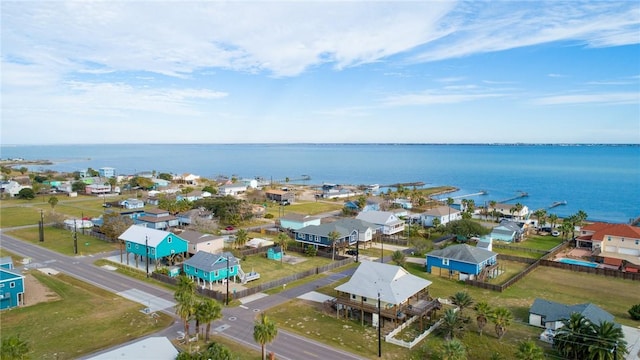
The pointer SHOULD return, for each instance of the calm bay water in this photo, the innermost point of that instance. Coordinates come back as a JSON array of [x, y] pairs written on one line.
[[602, 180]]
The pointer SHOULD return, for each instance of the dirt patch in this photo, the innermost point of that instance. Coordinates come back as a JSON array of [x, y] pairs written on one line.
[[36, 292]]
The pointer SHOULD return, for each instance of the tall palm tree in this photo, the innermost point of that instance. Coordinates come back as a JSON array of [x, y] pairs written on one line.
[[283, 240], [502, 318], [450, 202], [610, 343], [461, 299], [185, 300], [519, 208], [209, 310], [553, 219], [566, 228], [483, 312], [333, 239], [528, 350], [452, 350], [264, 331], [493, 204], [541, 215]]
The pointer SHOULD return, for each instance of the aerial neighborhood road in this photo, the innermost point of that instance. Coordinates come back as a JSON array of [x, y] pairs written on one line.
[[236, 323]]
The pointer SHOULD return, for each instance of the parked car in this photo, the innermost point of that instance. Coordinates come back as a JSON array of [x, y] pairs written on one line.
[[555, 233], [285, 202], [229, 228], [352, 252]]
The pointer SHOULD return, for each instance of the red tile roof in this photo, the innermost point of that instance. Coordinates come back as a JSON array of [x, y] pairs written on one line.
[[605, 229], [612, 261]]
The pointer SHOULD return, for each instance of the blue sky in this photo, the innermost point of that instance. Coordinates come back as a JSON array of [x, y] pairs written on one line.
[[315, 72]]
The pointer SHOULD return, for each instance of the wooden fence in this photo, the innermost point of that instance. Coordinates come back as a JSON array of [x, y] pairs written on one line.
[[221, 295], [598, 271]]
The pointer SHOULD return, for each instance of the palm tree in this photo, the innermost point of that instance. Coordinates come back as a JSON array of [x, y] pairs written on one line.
[[451, 323], [241, 238], [572, 338], [450, 202], [541, 215], [493, 204], [209, 310], [528, 350], [502, 318], [435, 223], [452, 350], [610, 343], [566, 228], [283, 240], [553, 219], [333, 238], [398, 257], [519, 208], [185, 300], [14, 348], [483, 312], [264, 331], [461, 299]]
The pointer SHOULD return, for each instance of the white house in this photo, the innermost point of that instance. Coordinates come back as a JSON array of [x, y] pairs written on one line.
[[203, 242], [444, 214], [232, 189], [386, 221], [13, 188]]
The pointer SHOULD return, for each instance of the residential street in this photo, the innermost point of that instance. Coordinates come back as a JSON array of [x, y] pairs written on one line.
[[237, 323]]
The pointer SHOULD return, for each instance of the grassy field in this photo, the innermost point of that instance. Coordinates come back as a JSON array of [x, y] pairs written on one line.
[[12, 216], [61, 240], [85, 320], [539, 242], [306, 208]]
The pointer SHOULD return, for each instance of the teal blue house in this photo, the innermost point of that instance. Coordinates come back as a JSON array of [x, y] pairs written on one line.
[[462, 261], [207, 268], [11, 289], [153, 245], [274, 253]]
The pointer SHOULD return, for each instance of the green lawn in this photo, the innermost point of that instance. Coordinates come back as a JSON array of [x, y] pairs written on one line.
[[539, 242], [272, 269], [85, 320], [61, 240], [12, 216], [306, 208], [517, 252]]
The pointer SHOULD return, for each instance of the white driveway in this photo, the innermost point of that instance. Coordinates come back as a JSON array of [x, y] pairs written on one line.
[[632, 337]]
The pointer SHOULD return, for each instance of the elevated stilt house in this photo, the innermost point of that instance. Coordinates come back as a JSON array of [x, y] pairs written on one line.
[[153, 245], [385, 290]]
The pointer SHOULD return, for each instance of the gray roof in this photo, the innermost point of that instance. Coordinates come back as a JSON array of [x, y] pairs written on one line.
[[196, 237], [393, 283], [211, 262], [553, 311], [378, 217], [323, 230], [441, 211], [464, 253], [298, 217]]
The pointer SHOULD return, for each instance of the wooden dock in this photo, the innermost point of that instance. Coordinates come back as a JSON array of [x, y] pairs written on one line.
[[557, 203], [522, 194]]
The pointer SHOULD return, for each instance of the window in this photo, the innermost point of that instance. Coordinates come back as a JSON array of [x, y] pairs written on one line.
[[173, 251], [609, 238], [128, 245], [136, 246], [637, 242], [1, 285], [445, 261], [353, 296], [169, 239], [196, 271], [216, 273], [12, 284]]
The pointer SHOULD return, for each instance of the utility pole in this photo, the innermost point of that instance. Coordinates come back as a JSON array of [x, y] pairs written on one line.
[[379, 328], [41, 226], [228, 279], [75, 237], [146, 245]]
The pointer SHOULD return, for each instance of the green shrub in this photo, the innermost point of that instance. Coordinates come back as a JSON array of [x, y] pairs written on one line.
[[635, 312]]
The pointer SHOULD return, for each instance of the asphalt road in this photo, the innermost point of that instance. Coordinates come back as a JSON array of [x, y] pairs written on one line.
[[236, 323]]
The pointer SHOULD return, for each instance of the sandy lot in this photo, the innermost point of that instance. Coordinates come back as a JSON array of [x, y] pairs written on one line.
[[36, 293]]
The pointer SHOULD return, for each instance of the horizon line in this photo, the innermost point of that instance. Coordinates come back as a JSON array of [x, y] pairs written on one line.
[[347, 143]]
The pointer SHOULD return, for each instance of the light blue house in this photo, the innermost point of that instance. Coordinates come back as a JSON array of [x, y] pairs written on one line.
[[132, 203], [107, 172], [463, 261], [294, 221], [11, 289], [153, 245], [507, 231], [274, 253], [209, 268]]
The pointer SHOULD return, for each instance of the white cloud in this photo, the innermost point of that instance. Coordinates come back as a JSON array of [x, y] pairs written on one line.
[[605, 99]]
